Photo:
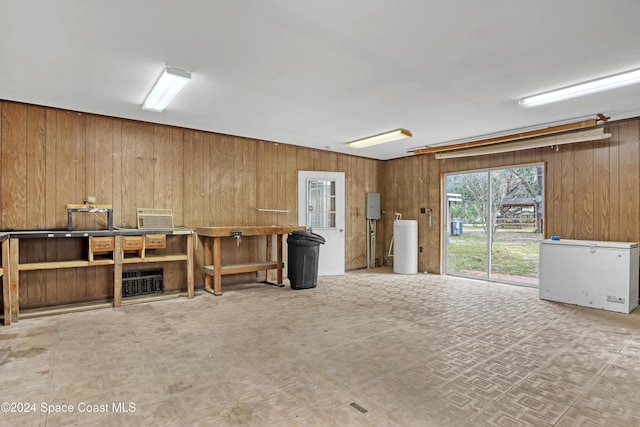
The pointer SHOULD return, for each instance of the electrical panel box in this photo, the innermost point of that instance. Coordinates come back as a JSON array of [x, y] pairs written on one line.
[[373, 206]]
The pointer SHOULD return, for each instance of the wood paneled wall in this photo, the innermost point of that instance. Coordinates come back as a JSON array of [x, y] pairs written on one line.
[[592, 189], [51, 157]]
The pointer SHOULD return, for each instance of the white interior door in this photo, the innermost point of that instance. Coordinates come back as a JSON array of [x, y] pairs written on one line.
[[321, 207]]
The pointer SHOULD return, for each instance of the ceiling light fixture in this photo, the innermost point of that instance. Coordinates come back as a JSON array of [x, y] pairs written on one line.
[[606, 83], [394, 135], [171, 81]]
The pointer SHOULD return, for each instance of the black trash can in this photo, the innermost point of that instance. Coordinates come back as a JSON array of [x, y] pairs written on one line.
[[303, 250]]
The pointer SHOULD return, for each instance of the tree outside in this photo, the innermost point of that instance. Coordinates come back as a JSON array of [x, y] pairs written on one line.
[[514, 183]]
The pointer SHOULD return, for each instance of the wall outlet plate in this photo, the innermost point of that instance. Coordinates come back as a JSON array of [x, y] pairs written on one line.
[[611, 298]]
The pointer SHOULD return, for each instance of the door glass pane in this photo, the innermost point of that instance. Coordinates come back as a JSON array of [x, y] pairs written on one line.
[[494, 223], [321, 195], [467, 216], [517, 204]]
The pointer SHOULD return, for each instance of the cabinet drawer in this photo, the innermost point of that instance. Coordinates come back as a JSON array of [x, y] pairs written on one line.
[[155, 241], [102, 244], [132, 243]]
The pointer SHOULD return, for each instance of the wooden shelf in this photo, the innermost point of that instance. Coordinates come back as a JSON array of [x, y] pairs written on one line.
[[105, 248], [242, 268], [106, 261], [53, 265], [155, 258]]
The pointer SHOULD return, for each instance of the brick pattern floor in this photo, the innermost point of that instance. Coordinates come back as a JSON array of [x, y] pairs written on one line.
[[410, 350]]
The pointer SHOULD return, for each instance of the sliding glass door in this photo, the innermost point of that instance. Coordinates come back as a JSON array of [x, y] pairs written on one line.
[[494, 223], [467, 238]]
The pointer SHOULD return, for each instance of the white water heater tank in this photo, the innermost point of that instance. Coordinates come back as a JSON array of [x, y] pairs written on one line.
[[405, 246]]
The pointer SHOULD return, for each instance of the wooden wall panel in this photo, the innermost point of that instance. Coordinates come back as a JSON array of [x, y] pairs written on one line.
[[163, 196], [51, 157], [282, 187], [553, 192], [84, 287], [36, 208], [628, 134], [143, 171], [13, 199], [436, 230], [583, 202], [126, 215], [357, 202], [66, 166], [614, 180], [118, 171], [567, 190], [51, 138], [601, 194], [291, 180], [91, 152]]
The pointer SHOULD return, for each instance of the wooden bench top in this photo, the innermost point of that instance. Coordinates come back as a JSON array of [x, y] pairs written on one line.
[[246, 230]]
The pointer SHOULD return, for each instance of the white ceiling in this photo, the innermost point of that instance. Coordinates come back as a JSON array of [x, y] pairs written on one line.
[[322, 73]]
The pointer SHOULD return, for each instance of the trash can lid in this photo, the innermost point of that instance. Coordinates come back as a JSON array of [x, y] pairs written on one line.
[[306, 235]]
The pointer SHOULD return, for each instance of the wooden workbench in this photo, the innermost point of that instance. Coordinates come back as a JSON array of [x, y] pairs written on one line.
[[11, 265], [213, 266]]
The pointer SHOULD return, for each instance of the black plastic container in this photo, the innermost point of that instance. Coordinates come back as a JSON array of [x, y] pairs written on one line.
[[303, 250]]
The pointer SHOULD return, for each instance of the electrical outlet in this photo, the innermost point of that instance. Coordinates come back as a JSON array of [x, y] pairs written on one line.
[[611, 298]]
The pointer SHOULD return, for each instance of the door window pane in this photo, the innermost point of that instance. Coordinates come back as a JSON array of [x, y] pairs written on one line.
[[467, 219], [321, 197]]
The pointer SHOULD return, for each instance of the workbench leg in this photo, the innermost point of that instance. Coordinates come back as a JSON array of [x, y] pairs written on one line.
[[190, 289], [269, 273], [208, 260], [14, 279], [280, 237], [6, 280], [117, 273], [217, 265]]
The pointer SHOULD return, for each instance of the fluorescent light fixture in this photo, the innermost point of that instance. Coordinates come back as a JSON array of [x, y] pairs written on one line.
[[606, 83], [380, 139], [171, 81]]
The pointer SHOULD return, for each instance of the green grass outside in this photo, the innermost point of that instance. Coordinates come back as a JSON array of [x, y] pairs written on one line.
[[515, 253]]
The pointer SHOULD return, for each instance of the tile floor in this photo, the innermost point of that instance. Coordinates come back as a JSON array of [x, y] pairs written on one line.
[[419, 350]]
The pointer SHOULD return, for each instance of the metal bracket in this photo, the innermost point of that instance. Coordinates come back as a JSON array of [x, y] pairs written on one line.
[[237, 235]]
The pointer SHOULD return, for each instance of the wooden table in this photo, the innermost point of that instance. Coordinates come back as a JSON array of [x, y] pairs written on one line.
[[213, 266]]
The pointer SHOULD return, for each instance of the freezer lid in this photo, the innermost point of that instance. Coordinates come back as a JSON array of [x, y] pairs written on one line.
[[591, 243]]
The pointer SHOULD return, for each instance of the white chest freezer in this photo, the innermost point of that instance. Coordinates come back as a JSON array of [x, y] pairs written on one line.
[[588, 273]]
